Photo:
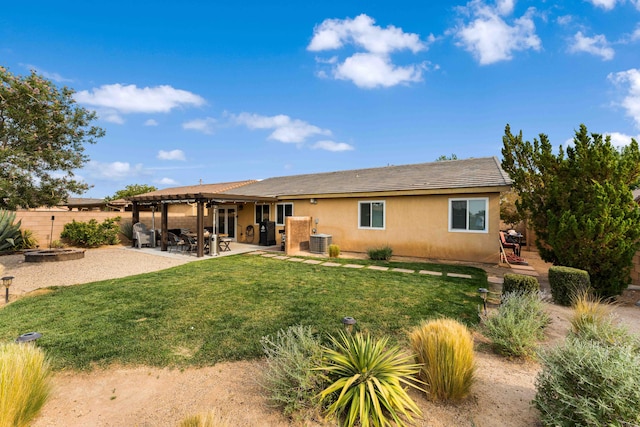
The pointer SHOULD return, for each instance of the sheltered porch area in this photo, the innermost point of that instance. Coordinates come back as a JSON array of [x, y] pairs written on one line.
[[203, 196]]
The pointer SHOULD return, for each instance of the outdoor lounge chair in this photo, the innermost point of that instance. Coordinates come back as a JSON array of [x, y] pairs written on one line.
[[143, 236]]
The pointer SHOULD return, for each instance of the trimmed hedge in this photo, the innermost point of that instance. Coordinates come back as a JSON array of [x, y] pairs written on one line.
[[565, 282], [519, 283]]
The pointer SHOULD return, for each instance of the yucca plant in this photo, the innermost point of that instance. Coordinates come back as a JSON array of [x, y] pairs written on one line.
[[10, 236], [28, 241], [444, 348], [209, 419], [368, 381], [24, 383]]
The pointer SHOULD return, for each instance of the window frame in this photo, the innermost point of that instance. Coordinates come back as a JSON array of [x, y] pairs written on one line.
[[370, 203], [262, 206], [485, 230], [284, 212]]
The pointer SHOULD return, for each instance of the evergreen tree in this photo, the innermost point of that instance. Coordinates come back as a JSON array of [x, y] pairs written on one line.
[[579, 203]]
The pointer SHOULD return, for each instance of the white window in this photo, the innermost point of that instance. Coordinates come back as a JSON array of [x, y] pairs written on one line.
[[469, 215], [283, 210], [371, 215], [262, 213]]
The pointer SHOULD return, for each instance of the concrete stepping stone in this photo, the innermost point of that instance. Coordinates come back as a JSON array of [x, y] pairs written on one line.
[[459, 275], [270, 255], [282, 257], [256, 253], [402, 270], [312, 261], [495, 280], [377, 267], [331, 264], [353, 265], [295, 259], [431, 273]]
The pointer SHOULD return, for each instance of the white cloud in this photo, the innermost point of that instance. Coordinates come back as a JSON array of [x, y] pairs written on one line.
[[113, 171], [630, 80], [131, 99], [635, 36], [151, 122], [166, 181], [285, 129], [332, 146], [369, 71], [171, 155], [596, 45], [490, 38], [46, 74], [111, 117], [206, 125], [604, 4], [377, 43], [334, 33], [620, 139]]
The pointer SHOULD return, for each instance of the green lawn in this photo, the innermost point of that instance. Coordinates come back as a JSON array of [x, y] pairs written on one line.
[[213, 310]]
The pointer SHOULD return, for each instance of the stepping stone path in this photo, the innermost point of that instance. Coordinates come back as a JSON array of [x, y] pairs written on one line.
[[491, 279]]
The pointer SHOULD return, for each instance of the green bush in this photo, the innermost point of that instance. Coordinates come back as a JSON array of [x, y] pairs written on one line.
[[24, 383], [92, 234], [334, 251], [586, 383], [518, 325], [566, 282], [380, 254], [367, 381], [290, 380], [519, 282], [444, 349]]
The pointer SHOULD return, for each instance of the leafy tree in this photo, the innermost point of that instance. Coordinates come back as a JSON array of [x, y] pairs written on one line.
[[443, 158], [508, 210], [579, 203], [131, 190], [42, 137]]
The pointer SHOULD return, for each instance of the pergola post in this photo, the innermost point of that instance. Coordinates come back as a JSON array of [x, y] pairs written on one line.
[[164, 226], [135, 218], [200, 226]]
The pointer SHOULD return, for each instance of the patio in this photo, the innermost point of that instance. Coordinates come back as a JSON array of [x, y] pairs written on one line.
[[235, 248]]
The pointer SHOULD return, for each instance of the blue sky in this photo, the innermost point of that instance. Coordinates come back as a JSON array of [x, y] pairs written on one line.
[[224, 91]]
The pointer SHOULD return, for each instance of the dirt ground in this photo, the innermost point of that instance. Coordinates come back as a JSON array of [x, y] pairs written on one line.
[[145, 397]]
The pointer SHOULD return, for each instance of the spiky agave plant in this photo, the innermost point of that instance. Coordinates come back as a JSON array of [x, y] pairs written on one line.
[[10, 236], [369, 379]]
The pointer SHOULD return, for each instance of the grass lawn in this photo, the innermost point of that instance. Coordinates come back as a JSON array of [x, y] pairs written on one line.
[[213, 310]]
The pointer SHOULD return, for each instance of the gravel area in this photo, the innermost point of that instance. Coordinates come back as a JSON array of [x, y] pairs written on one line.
[[97, 264]]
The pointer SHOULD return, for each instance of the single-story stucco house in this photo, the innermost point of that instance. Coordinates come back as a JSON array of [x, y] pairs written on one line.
[[445, 210]]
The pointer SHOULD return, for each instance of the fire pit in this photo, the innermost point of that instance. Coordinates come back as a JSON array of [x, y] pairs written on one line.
[[53, 255]]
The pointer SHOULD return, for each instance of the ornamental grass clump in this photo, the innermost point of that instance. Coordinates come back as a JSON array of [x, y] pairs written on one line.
[[290, 381], [368, 379], [518, 325], [588, 310], [24, 383], [208, 419], [444, 349]]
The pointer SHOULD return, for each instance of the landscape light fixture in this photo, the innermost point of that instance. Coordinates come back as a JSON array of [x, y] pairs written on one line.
[[348, 323], [6, 282], [29, 337], [483, 294]]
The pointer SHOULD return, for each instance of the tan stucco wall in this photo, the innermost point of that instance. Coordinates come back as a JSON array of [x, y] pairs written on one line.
[[415, 226]]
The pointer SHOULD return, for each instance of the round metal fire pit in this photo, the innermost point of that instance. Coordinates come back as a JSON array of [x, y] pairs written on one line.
[[53, 255]]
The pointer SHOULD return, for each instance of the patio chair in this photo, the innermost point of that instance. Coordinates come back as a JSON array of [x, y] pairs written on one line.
[[190, 244], [143, 236], [515, 247], [175, 242]]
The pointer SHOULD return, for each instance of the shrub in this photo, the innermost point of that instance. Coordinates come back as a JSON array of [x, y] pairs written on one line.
[[586, 383], [334, 251], [566, 282], [290, 380], [367, 381], [209, 419], [380, 254], [28, 241], [588, 310], [92, 234], [444, 348], [518, 325], [519, 282], [24, 383], [57, 244]]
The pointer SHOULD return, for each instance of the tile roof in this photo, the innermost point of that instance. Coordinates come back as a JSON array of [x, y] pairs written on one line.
[[468, 173]]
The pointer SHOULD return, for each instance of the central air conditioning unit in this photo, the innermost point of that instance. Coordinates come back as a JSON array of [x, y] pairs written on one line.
[[319, 243]]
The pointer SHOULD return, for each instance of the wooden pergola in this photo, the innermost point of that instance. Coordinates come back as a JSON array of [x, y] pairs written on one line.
[[164, 198]]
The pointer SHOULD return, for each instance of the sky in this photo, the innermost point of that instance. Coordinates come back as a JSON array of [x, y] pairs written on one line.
[[212, 91]]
